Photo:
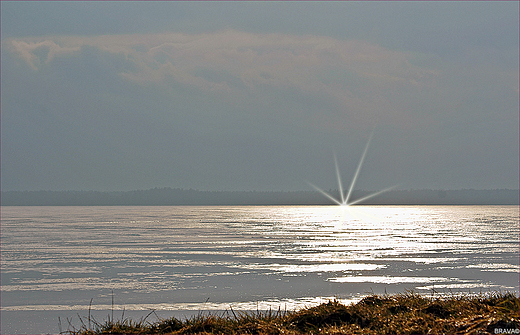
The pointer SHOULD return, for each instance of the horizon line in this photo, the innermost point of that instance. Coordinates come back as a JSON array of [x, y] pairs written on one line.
[[265, 191]]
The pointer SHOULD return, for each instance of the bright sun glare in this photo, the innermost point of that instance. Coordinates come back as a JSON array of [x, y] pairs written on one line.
[[344, 199]]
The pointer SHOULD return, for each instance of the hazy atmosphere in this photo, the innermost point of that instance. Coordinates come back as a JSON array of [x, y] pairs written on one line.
[[259, 95]]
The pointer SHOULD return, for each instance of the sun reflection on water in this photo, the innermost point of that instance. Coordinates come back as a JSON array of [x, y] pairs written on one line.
[[253, 253]]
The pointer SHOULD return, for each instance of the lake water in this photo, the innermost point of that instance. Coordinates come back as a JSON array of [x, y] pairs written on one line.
[[57, 262]]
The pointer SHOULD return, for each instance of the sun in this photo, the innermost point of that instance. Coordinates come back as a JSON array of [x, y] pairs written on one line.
[[344, 198]]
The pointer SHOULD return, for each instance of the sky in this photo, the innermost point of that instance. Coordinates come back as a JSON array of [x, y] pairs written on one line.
[[259, 96]]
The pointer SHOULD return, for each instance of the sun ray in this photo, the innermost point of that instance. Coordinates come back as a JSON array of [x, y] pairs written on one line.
[[344, 200], [371, 195], [340, 187], [358, 169], [325, 194]]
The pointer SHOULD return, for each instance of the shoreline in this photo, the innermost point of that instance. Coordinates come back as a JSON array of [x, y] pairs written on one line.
[[401, 313], [185, 197]]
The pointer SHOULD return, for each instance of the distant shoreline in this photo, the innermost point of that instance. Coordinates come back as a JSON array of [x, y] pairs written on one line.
[[178, 197]]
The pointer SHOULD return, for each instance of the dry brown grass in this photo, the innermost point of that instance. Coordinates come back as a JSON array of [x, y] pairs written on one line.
[[407, 313]]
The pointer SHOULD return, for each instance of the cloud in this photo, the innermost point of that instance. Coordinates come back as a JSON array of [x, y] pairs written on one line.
[[243, 110], [38, 53], [239, 64], [274, 59]]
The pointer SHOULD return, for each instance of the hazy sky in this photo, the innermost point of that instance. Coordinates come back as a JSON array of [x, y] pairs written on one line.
[[259, 95]]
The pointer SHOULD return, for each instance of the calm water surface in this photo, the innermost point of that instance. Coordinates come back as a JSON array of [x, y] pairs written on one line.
[[56, 260]]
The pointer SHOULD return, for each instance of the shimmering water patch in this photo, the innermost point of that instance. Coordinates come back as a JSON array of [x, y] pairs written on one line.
[[387, 279], [273, 304], [59, 258]]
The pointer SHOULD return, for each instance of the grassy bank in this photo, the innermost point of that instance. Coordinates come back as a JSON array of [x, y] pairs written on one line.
[[407, 313]]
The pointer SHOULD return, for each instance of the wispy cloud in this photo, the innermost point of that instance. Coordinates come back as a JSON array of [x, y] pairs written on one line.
[[38, 53], [254, 59], [239, 63], [249, 100]]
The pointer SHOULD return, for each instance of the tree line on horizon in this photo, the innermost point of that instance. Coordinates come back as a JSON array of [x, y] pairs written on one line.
[[177, 196]]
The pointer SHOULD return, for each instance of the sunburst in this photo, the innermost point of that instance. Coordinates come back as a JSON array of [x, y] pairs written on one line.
[[344, 198]]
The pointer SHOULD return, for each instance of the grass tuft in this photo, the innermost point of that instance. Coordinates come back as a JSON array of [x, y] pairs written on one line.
[[407, 313]]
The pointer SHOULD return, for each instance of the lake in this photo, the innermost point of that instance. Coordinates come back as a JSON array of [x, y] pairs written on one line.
[[59, 262]]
